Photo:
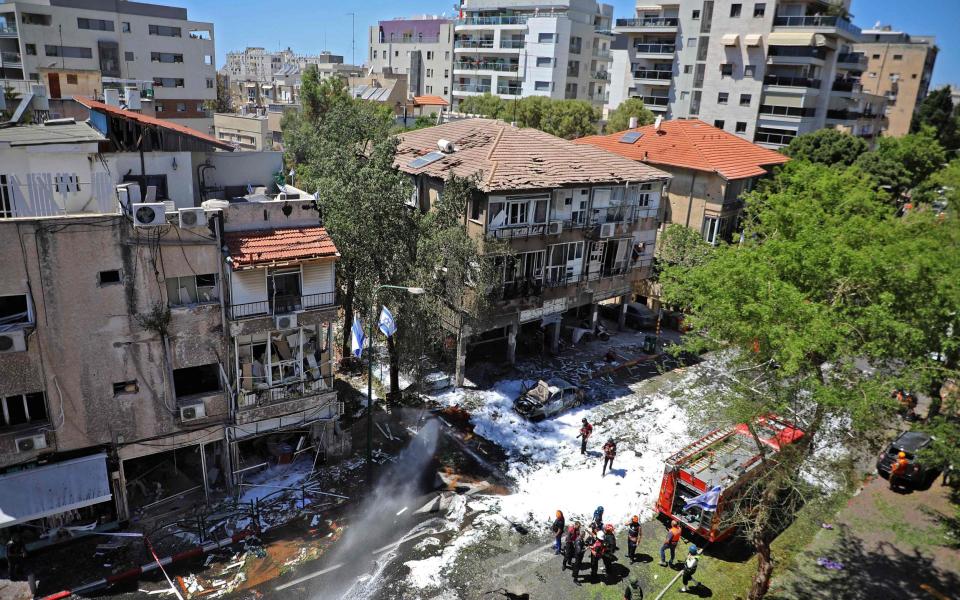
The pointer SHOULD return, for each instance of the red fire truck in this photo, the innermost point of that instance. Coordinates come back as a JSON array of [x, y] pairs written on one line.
[[727, 458]]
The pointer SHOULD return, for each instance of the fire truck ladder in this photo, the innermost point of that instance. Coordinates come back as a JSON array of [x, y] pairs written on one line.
[[701, 444]]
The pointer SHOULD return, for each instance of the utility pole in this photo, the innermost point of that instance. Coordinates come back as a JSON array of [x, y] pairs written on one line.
[[353, 38]]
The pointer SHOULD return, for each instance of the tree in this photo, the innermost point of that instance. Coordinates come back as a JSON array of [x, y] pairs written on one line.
[[938, 112], [318, 96], [488, 105], [619, 119], [901, 164], [223, 103], [529, 111], [571, 119], [682, 246], [827, 147], [828, 279], [11, 99]]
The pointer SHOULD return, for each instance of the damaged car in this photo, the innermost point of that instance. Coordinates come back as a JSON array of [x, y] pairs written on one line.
[[548, 398]]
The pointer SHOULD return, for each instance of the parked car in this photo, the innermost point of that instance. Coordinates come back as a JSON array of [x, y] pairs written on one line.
[[908, 442], [434, 381], [548, 398], [638, 315]]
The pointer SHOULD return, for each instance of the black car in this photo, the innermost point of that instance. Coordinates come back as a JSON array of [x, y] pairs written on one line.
[[908, 442], [638, 315]]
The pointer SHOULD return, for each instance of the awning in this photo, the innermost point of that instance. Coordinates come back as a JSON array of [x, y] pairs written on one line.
[[753, 39], [265, 86], [730, 39], [791, 38], [36, 493]]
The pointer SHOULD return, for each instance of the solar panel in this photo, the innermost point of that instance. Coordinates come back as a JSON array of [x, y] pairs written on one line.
[[631, 137], [426, 159]]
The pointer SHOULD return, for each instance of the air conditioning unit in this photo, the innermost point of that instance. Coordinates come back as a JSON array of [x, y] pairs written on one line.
[[192, 218], [12, 341], [149, 214], [555, 228], [193, 412], [608, 230], [29, 444], [285, 321]]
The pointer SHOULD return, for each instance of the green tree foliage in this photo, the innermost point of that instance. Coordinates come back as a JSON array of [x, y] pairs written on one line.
[[11, 98], [570, 119], [318, 96], [488, 105], [563, 118], [529, 111], [942, 185], [682, 246], [938, 112], [619, 119], [827, 279], [223, 102], [901, 164], [827, 147]]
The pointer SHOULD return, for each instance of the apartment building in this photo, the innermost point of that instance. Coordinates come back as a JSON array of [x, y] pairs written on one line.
[[152, 47], [767, 71], [580, 221], [418, 48], [899, 67], [259, 65], [244, 131], [155, 339], [516, 48]]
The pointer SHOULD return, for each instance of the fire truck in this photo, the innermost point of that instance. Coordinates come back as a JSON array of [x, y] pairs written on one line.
[[727, 458]]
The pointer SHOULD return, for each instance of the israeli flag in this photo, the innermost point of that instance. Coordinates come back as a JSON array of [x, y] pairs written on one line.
[[387, 324], [357, 337], [707, 500]]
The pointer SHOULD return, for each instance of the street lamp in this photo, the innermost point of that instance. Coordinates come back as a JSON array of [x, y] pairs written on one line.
[[416, 291]]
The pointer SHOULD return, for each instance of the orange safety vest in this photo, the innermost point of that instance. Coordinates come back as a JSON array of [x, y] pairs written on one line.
[[675, 535], [900, 467]]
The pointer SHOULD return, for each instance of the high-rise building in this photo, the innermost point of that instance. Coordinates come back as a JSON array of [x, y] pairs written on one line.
[[152, 47], [899, 66], [513, 48], [419, 48], [767, 71]]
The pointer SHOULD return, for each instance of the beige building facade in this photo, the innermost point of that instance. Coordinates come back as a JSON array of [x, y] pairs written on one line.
[[244, 131]]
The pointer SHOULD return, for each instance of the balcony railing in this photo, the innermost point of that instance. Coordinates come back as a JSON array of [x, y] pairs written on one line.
[[817, 22], [777, 139], [844, 115], [852, 58], [509, 90], [411, 39], [601, 53], [512, 44], [656, 48], [846, 85], [282, 305], [8, 29], [655, 22], [521, 288], [501, 20], [473, 44], [477, 88], [284, 393], [10, 58], [601, 75], [787, 111], [653, 74], [655, 100], [798, 52], [486, 66], [785, 81]]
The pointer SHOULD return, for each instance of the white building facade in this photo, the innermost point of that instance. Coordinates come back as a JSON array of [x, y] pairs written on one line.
[[420, 48]]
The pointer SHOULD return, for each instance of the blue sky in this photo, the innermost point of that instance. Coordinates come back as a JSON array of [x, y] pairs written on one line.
[[309, 26]]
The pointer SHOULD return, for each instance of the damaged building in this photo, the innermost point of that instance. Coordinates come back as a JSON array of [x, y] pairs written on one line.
[[580, 222], [165, 322]]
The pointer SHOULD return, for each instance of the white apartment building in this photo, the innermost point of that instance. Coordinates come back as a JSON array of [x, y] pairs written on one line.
[[153, 47], [421, 48], [767, 71], [261, 65], [518, 48]]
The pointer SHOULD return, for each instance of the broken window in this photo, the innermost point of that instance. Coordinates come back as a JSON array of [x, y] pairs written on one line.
[[23, 409], [14, 309], [125, 387], [281, 358], [192, 289], [202, 379]]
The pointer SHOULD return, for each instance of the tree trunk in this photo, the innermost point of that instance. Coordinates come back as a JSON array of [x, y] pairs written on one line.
[[763, 534], [761, 581], [347, 316], [394, 358]]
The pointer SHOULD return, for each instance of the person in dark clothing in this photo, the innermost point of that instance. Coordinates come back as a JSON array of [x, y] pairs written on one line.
[[609, 453], [690, 567], [585, 430], [634, 532], [569, 544], [596, 553], [670, 543], [16, 553], [597, 523], [633, 590], [558, 528], [609, 549], [583, 542]]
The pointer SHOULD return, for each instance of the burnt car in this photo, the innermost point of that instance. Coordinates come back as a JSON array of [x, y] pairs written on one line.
[[548, 398], [638, 315], [908, 442]]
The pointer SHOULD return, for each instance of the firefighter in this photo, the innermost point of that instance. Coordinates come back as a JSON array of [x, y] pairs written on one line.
[[898, 471], [586, 429], [569, 545], [596, 552], [558, 528], [597, 523], [634, 532], [690, 567], [609, 453], [609, 549], [670, 543], [584, 542]]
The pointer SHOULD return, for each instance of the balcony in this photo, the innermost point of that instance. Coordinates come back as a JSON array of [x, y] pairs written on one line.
[[11, 60], [411, 39], [773, 139], [655, 49], [498, 20], [600, 75], [282, 305], [819, 23], [9, 30], [521, 288], [282, 399], [788, 111], [852, 60], [500, 67], [512, 44], [655, 102], [509, 90], [845, 115], [471, 88], [484, 43], [846, 85], [510, 232], [653, 76], [787, 81], [654, 24], [601, 53], [795, 54]]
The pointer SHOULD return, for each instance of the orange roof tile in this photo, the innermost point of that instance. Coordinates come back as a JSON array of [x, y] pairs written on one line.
[[429, 101], [145, 120], [259, 247], [692, 144]]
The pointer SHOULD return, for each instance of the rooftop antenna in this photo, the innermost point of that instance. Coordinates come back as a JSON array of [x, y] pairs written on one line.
[[353, 38]]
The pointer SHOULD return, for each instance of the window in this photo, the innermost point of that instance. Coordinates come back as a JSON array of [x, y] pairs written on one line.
[[713, 229], [687, 69], [749, 71], [735, 10], [14, 309], [476, 205], [23, 409], [726, 70], [695, 14], [546, 38], [208, 59], [429, 72], [125, 387], [684, 95], [875, 56], [210, 83], [542, 86], [429, 54], [94, 24], [6, 195], [192, 289], [544, 61], [71, 79], [125, 26], [128, 56], [759, 9], [35, 19], [374, 54], [691, 42], [68, 51], [181, 107], [158, 107], [165, 31], [718, 123], [745, 99], [166, 57], [913, 76], [111, 277], [722, 97], [202, 379], [396, 53], [428, 89], [167, 82], [897, 57], [741, 127], [446, 55], [31, 49]]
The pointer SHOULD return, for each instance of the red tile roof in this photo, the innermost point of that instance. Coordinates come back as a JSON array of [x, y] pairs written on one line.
[[692, 144], [251, 248], [145, 120], [429, 101]]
